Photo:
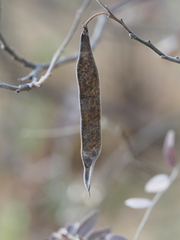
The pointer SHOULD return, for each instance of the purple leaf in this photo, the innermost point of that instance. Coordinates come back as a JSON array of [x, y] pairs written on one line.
[[99, 234], [87, 224], [138, 203], [112, 236], [168, 148], [157, 183]]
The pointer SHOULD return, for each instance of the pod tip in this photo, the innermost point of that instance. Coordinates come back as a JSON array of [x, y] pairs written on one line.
[[88, 186], [89, 194], [87, 179]]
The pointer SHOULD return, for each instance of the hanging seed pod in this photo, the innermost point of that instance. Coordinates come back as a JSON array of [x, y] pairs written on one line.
[[90, 107]]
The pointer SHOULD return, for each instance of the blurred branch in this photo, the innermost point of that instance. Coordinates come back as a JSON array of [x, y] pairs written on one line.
[[15, 56], [135, 37], [50, 133], [64, 44], [66, 131], [122, 156], [156, 198], [8, 86], [127, 151]]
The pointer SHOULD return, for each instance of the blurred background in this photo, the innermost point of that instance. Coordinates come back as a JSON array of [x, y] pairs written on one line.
[[41, 173]]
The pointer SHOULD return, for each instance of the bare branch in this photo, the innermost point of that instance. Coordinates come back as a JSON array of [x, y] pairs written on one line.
[[66, 131], [32, 65], [37, 68], [96, 36], [135, 37], [9, 87], [15, 56]]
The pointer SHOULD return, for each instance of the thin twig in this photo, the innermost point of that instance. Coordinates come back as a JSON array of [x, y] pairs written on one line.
[[95, 15], [15, 56], [63, 45], [66, 131], [50, 133], [127, 140], [135, 37], [8, 86], [38, 67], [158, 195]]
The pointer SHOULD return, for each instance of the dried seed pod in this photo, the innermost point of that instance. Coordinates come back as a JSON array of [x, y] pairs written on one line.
[[90, 107]]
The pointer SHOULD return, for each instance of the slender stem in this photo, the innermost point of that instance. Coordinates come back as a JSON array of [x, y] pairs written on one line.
[[158, 195], [95, 15], [104, 6], [8, 86]]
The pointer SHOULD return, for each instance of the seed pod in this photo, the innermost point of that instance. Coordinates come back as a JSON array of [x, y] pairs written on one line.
[[90, 107]]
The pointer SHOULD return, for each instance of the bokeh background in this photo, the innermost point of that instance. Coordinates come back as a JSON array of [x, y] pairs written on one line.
[[41, 186]]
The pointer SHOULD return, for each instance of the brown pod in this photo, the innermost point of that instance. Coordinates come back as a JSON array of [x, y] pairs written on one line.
[[90, 107]]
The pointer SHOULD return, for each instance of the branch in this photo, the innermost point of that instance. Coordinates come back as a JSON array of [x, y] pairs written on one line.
[[96, 36], [135, 37], [15, 56], [37, 68], [9, 87]]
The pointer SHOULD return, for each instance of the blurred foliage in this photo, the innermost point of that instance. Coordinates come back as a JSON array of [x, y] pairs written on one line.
[[14, 220], [41, 186]]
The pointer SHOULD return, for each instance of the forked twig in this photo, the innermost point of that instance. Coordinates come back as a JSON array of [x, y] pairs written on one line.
[[63, 45], [66, 41], [39, 67]]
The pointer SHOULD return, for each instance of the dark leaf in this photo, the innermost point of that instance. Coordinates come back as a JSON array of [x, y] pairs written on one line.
[[72, 228], [99, 234], [87, 224]]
